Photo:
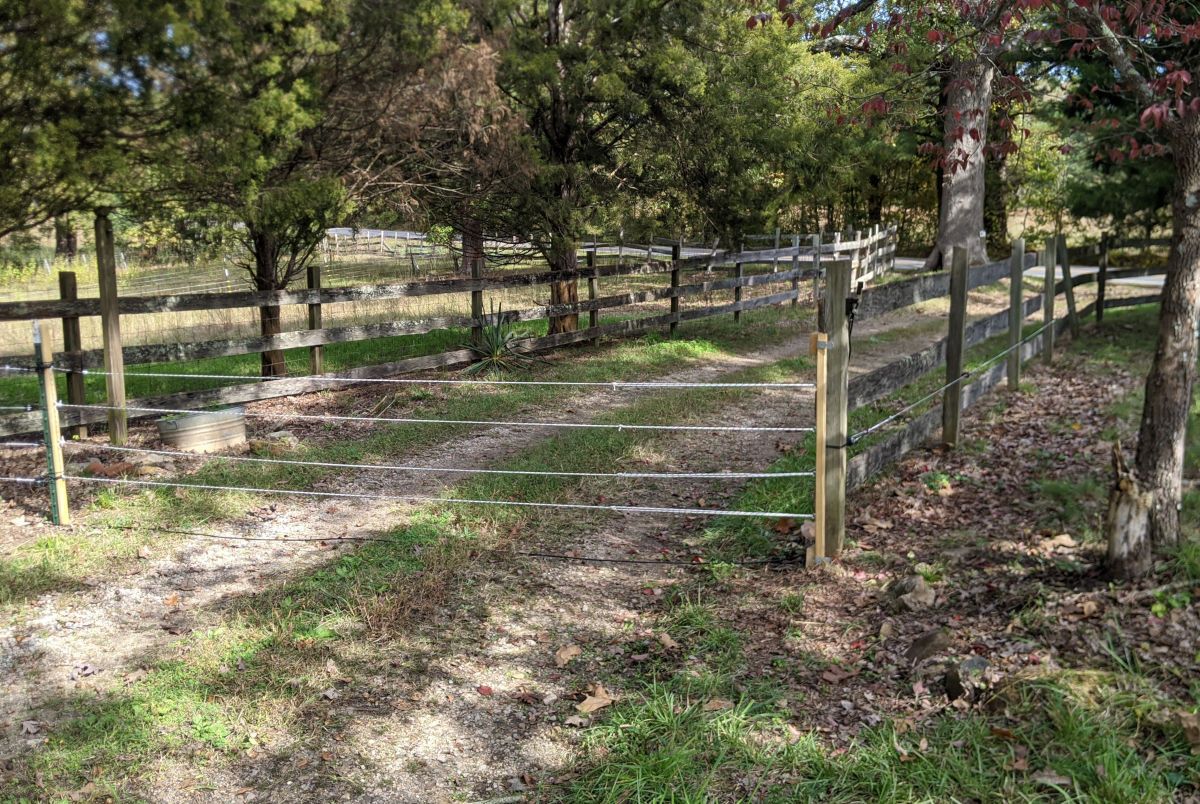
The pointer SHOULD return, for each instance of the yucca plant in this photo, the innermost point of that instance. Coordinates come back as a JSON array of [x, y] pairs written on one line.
[[496, 348]]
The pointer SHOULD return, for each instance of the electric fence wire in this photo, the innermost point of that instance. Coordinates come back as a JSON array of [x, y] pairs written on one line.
[[451, 470], [966, 375], [615, 385], [703, 428], [620, 509]]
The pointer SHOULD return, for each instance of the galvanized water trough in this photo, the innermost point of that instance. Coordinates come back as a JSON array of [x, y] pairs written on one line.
[[205, 431]]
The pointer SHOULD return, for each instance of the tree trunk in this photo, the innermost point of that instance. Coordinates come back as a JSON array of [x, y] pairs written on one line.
[[875, 199], [1128, 523], [266, 261], [66, 242], [563, 260], [1158, 467], [273, 364], [964, 122], [472, 242], [995, 206]]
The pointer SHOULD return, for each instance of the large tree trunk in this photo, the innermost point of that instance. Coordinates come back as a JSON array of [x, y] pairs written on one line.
[[1158, 468], [875, 199], [564, 260], [266, 262], [964, 123], [66, 242], [472, 243]]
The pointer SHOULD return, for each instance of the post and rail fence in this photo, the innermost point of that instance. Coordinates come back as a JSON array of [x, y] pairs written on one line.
[[836, 394]]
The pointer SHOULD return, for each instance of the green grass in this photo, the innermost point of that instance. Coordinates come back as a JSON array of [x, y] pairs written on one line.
[[1077, 735], [1067, 736], [69, 559], [281, 638]]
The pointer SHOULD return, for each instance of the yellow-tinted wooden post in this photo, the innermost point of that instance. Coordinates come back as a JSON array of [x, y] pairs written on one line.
[[60, 513]]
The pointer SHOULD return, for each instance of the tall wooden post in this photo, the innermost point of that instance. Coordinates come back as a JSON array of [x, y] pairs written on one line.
[[1016, 310], [1050, 260], [1102, 279], [60, 513], [821, 344], [68, 290], [837, 290], [110, 323], [316, 354], [592, 289], [795, 269], [1064, 260], [476, 301], [775, 258], [952, 396], [739, 273], [819, 310], [676, 255], [857, 256]]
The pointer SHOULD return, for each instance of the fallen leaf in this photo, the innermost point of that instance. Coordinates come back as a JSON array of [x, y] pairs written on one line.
[[598, 699], [564, 655], [577, 721], [30, 727], [665, 640], [484, 690], [331, 694], [1190, 723], [1049, 777], [171, 599], [717, 705]]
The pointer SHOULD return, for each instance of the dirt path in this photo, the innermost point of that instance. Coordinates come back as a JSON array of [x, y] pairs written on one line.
[[92, 639]]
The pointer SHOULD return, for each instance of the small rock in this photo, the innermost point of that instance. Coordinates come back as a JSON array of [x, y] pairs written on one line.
[[886, 631], [1062, 540], [975, 665], [953, 684], [926, 645], [285, 438], [913, 593], [904, 586]]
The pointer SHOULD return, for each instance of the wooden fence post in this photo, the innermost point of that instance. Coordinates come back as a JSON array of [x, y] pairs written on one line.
[[68, 290], [1016, 310], [1068, 286], [821, 353], [60, 513], [775, 259], [593, 291], [856, 267], [837, 290], [796, 269], [316, 354], [1102, 279], [952, 396], [110, 323], [676, 255], [1049, 260], [476, 301], [739, 274], [818, 308]]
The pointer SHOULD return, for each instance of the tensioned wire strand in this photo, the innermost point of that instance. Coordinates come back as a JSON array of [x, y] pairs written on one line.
[[621, 509], [703, 428], [436, 469], [616, 385], [966, 375]]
